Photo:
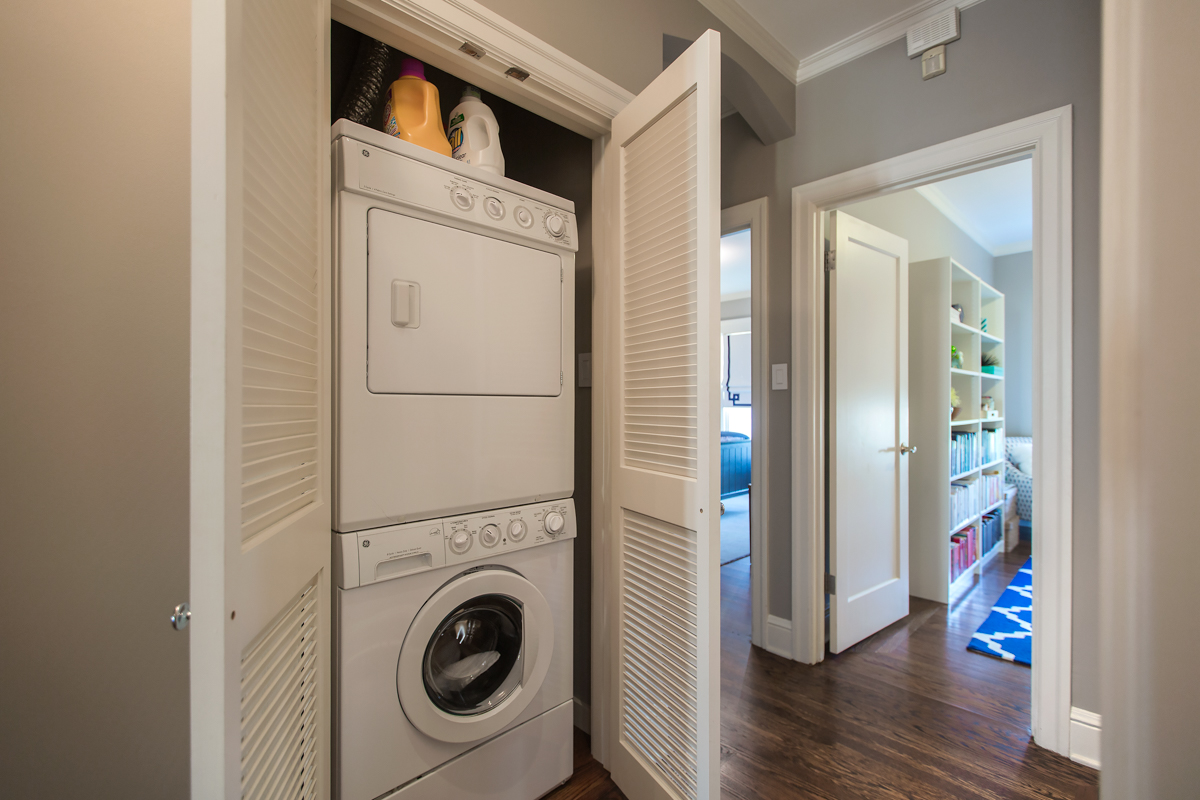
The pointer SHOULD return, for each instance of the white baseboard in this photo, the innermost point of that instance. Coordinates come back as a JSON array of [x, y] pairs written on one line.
[[583, 716], [779, 636], [1085, 737]]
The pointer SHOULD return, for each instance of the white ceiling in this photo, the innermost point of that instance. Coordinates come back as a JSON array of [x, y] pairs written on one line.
[[735, 265], [994, 206], [804, 38], [808, 27]]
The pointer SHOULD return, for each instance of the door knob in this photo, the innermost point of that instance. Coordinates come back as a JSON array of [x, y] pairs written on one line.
[[905, 449]]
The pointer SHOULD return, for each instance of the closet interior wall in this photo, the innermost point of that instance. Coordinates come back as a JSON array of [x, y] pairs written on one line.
[[545, 155]]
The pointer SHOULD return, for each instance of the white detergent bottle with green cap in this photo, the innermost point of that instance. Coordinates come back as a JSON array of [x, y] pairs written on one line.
[[474, 133]]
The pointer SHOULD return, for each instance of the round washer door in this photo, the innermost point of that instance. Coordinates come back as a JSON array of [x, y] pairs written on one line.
[[475, 655]]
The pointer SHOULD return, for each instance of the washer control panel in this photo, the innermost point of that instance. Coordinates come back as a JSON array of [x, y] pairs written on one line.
[[477, 536], [367, 557]]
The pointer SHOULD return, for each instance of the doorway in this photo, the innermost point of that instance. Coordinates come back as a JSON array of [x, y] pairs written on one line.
[[744, 418], [1046, 139]]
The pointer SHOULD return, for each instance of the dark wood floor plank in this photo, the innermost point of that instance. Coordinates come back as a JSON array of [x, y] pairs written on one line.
[[908, 714]]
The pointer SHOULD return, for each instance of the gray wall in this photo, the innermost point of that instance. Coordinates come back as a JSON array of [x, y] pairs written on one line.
[[1016, 58], [1014, 277], [623, 39], [735, 309], [928, 231], [94, 307]]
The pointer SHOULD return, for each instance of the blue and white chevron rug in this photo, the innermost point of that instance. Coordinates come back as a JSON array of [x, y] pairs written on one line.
[[1008, 631]]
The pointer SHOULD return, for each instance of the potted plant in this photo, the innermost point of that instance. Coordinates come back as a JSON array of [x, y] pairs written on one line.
[[991, 364], [955, 402]]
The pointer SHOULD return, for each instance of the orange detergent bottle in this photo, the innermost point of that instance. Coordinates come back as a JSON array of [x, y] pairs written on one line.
[[413, 111]]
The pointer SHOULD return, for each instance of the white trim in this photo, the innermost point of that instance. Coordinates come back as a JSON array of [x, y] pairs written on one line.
[[869, 39], [779, 636], [582, 716], [559, 88], [206, 527], [755, 34], [755, 214], [1085, 737], [604, 199], [1047, 137]]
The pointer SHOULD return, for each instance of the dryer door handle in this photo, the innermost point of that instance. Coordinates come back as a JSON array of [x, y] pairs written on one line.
[[406, 304]]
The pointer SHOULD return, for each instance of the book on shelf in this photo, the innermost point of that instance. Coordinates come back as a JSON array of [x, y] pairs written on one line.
[[965, 496], [992, 445], [993, 487], [962, 552]]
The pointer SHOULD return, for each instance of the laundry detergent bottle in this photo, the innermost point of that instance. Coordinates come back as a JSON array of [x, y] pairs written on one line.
[[474, 133], [413, 111]]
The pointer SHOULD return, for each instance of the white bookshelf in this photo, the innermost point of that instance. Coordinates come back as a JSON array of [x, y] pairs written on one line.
[[934, 286]]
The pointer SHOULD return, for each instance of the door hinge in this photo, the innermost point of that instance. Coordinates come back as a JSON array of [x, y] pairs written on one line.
[[830, 584], [830, 260]]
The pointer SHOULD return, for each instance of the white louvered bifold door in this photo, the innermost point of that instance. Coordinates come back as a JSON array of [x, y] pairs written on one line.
[[664, 385], [277, 594]]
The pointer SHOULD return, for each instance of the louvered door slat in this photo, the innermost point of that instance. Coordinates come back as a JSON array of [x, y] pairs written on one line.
[[281, 192], [278, 690]]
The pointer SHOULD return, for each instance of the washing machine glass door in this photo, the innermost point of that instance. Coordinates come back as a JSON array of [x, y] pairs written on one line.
[[473, 661], [475, 655]]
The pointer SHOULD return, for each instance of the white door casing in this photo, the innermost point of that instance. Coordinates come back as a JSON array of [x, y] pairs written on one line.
[[868, 424], [1047, 137], [260, 669], [662, 289]]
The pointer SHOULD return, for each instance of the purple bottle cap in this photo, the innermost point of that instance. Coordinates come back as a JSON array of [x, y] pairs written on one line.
[[412, 68]]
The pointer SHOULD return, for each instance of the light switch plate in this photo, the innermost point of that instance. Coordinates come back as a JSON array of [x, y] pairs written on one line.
[[583, 372], [779, 376]]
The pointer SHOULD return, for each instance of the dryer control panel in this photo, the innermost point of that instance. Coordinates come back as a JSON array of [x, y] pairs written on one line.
[[382, 554]]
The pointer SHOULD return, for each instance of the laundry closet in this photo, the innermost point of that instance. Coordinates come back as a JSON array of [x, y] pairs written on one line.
[[271, 180], [453, 435]]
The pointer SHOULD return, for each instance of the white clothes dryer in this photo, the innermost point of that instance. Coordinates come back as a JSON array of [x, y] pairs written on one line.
[[454, 338], [454, 648]]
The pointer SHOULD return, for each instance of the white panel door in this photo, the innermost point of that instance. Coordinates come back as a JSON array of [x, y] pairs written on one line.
[[261, 556], [868, 425], [664, 385]]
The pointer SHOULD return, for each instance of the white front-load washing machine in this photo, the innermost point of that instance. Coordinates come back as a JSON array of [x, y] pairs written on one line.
[[453, 667]]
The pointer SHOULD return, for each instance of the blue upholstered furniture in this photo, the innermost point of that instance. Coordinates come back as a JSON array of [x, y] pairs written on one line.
[[735, 463]]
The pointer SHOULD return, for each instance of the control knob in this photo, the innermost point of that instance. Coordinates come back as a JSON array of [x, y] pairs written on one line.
[[517, 530], [523, 217], [556, 225], [489, 536], [554, 523], [460, 542], [462, 198]]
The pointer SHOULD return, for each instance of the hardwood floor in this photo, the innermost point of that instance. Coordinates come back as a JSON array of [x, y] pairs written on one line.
[[909, 713]]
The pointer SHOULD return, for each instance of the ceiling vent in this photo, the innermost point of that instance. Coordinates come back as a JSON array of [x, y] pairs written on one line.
[[939, 29]]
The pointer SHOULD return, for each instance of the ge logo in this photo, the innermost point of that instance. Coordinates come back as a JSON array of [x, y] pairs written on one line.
[[367, 153], [366, 542]]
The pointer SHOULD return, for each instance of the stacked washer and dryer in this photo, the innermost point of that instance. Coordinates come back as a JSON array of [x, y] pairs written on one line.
[[453, 443]]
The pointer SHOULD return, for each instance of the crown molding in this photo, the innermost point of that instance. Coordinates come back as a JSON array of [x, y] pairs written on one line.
[[752, 32], [869, 39]]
